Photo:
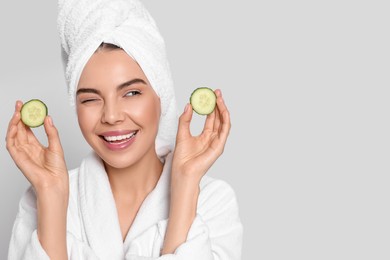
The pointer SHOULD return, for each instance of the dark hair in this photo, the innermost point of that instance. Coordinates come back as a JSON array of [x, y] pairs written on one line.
[[107, 46]]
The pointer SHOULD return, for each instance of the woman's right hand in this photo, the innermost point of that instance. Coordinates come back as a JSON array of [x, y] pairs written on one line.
[[44, 167]]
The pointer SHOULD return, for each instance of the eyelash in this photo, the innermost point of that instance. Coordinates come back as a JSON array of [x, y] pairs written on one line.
[[133, 92], [88, 100]]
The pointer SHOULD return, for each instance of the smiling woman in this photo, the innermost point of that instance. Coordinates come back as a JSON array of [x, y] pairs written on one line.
[[121, 104], [143, 191]]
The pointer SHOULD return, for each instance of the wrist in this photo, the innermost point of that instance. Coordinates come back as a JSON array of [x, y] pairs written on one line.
[[56, 189], [53, 195], [183, 205], [187, 178], [52, 207], [184, 196]]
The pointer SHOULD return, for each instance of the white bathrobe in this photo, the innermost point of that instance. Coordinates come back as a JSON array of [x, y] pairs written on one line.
[[93, 230]]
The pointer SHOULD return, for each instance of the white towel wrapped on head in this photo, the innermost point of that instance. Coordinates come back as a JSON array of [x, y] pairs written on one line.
[[84, 24]]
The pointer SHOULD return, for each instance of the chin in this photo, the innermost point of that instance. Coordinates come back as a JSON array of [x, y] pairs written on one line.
[[119, 162], [122, 158]]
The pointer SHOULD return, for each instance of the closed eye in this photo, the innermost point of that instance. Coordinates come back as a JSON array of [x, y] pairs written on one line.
[[88, 100], [132, 93]]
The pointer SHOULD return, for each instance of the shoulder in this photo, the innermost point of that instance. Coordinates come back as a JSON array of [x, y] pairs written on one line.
[[216, 196], [211, 186]]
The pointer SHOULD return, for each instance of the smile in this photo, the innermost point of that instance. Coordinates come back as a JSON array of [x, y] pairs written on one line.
[[119, 137], [116, 142]]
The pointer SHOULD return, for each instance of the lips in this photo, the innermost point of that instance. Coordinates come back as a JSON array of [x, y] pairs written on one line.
[[118, 140]]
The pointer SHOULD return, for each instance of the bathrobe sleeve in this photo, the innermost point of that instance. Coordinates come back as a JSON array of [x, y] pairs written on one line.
[[24, 243], [215, 234]]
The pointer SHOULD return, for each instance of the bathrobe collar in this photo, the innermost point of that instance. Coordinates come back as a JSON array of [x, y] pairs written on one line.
[[99, 214]]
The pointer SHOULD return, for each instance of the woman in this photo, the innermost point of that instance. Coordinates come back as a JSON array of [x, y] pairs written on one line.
[[139, 194]]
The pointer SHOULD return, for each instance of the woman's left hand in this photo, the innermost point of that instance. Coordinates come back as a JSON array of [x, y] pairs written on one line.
[[194, 155]]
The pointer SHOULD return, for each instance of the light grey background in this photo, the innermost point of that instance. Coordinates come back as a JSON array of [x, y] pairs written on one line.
[[307, 84]]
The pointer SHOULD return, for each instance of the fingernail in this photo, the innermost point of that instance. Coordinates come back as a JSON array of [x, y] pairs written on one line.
[[186, 108]]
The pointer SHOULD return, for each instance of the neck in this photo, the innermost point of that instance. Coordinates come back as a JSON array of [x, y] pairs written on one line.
[[137, 180]]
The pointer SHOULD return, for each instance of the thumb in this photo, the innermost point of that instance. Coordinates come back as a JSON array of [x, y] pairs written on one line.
[[52, 135], [184, 123]]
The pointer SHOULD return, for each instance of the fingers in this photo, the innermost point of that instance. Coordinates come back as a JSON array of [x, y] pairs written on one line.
[[18, 133], [209, 123], [225, 118], [222, 127], [52, 135], [184, 123], [31, 138], [10, 138], [13, 125], [15, 120], [16, 116], [21, 137], [217, 121]]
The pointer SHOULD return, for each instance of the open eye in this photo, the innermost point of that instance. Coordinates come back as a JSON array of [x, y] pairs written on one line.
[[132, 93]]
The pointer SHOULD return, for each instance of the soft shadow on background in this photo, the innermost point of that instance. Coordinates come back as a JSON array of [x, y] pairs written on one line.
[[308, 89]]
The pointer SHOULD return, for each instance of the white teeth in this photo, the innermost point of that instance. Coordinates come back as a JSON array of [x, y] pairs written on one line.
[[119, 137]]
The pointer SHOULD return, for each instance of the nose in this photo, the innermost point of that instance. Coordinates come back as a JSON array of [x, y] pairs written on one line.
[[112, 113]]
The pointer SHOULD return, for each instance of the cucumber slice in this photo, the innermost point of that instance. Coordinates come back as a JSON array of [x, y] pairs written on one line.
[[203, 101], [33, 113]]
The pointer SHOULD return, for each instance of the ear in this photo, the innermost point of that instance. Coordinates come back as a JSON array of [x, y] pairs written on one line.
[[159, 106]]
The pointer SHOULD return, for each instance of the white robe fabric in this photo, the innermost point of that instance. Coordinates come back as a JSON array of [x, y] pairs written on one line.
[[93, 230]]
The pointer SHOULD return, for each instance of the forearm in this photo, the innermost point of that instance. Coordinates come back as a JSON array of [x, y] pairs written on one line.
[[183, 205], [52, 212]]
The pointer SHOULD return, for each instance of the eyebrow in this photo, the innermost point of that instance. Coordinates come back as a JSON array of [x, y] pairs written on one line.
[[118, 88]]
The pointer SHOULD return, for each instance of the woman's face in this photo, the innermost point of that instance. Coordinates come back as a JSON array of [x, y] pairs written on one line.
[[117, 109]]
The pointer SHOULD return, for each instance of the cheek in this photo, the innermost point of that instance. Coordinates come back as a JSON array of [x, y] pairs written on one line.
[[147, 112], [85, 120]]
